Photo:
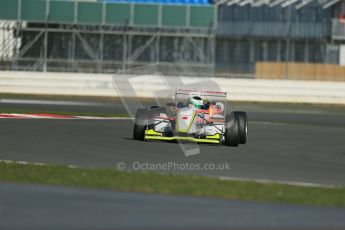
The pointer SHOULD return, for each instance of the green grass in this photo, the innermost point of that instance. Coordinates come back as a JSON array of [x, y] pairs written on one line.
[[152, 182], [67, 113]]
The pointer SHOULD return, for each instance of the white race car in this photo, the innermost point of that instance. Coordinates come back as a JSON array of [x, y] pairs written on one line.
[[197, 115]]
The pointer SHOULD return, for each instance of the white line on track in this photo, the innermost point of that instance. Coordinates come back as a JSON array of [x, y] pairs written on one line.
[[33, 163], [50, 102], [63, 117], [267, 181], [56, 116], [103, 118]]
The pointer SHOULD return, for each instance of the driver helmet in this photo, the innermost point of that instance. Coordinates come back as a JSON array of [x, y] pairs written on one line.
[[196, 101]]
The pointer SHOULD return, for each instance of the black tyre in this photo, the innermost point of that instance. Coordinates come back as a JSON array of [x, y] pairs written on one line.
[[232, 130], [242, 126], [140, 124], [143, 120]]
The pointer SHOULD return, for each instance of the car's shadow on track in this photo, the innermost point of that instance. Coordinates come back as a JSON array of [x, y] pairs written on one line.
[[173, 142]]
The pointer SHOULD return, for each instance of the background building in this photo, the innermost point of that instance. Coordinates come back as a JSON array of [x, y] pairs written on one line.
[[308, 31], [225, 37]]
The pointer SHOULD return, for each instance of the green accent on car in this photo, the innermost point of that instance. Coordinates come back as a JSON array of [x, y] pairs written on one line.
[[190, 124], [196, 102], [215, 136], [150, 134]]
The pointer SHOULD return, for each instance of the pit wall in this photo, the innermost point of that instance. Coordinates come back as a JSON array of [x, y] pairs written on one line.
[[255, 90]]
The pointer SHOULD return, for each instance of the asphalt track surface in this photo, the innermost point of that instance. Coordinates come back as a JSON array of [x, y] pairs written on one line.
[[302, 144], [286, 143], [50, 207]]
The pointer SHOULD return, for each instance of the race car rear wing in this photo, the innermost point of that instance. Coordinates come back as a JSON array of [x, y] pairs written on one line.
[[201, 92]]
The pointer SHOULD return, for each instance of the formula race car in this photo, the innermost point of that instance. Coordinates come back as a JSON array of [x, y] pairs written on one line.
[[196, 115]]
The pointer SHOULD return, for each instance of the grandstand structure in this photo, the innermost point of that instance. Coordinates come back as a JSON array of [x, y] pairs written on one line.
[[199, 37], [104, 36]]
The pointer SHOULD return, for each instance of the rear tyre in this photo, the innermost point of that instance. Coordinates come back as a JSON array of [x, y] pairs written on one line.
[[242, 126], [153, 112], [156, 110], [140, 124], [231, 130]]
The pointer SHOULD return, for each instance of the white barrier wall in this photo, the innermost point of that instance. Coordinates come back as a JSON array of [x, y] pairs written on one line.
[[147, 86]]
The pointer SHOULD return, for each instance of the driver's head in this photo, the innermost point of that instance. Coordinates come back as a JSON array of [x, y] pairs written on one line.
[[196, 101]]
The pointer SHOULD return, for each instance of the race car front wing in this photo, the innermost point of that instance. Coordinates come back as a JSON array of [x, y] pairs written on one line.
[[150, 134]]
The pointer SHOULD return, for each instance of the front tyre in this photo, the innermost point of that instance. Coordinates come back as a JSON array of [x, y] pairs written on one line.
[[231, 130], [140, 124]]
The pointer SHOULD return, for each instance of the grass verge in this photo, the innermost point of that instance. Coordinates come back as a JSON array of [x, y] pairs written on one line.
[[153, 182], [66, 113]]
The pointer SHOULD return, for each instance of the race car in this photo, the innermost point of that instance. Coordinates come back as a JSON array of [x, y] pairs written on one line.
[[196, 115]]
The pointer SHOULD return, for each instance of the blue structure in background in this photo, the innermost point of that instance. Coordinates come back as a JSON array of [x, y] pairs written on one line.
[[189, 2]]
